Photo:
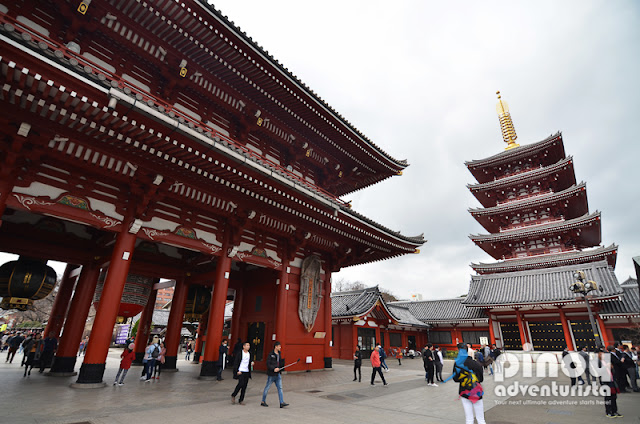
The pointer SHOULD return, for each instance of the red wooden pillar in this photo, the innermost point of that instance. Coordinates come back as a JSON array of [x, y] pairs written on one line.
[[605, 333], [567, 331], [92, 369], [174, 326], [144, 325], [216, 311], [202, 330], [492, 336], [237, 313], [281, 306], [523, 337], [61, 302], [327, 319], [67, 353]]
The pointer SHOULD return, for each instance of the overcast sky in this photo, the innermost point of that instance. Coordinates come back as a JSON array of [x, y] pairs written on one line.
[[419, 79]]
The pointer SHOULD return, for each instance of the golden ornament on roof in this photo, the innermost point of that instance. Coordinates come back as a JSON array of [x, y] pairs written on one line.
[[506, 124]]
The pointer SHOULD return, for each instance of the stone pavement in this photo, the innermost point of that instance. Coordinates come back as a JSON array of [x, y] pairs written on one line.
[[315, 397]]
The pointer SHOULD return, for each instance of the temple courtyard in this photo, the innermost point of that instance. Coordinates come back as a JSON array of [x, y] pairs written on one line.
[[314, 397]]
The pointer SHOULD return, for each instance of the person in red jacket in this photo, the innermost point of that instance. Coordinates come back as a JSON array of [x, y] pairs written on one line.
[[128, 355], [375, 363]]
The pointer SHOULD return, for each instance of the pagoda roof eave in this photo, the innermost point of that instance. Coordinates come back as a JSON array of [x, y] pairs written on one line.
[[400, 164], [512, 154], [529, 202], [551, 260], [522, 177], [537, 229]]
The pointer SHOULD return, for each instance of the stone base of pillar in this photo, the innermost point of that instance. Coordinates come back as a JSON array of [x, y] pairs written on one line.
[[91, 374], [209, 370], [63, 366], [170, 364], [328, 362]]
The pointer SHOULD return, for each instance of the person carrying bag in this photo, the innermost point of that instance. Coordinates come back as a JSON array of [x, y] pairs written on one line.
[[469, 374]]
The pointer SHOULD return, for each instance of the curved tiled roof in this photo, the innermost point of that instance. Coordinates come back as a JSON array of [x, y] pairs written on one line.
[[516, 153], [353, 303], [539, 286], [442, 311], [404, 315], [629, 303], [537, 229], [274, 62], [418, 240], [535, 174], [551, 260], [518, 205]]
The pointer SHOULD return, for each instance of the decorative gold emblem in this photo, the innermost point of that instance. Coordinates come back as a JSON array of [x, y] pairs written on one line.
[[183, 72], [83, 7], [260, 121]]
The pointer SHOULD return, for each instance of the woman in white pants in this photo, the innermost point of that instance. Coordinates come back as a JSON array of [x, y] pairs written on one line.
[[469, 374]]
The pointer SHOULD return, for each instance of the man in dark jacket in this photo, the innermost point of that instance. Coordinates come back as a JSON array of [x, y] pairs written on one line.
[[242, 365], [14, 343], [222, 358], [275, 363], [50, 345], [357, 363], [429, 364], [629, 367]]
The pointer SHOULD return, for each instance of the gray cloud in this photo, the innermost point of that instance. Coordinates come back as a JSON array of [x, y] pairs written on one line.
[[419, 79]]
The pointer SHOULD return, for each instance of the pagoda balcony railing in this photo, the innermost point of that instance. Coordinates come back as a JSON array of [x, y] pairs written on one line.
[[525, 197], [541, 253], [52, 48], [522, 171], [534, 224]]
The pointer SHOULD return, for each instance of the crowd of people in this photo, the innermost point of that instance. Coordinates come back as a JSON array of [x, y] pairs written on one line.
[[37, 351]]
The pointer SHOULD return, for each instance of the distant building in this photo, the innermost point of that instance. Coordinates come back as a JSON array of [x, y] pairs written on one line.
[[163, 297], [416, 297]]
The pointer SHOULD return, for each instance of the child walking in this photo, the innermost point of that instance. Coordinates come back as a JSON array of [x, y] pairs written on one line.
[[128, 355]]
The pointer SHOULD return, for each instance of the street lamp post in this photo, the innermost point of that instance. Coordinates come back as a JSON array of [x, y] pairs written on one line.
[[583, 287]]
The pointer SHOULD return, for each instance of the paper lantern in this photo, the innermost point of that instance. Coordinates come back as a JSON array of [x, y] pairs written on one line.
[[134, 296], [23, 281]]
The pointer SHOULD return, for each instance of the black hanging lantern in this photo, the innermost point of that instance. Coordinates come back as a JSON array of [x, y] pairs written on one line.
[[23, 281], [198, 301]]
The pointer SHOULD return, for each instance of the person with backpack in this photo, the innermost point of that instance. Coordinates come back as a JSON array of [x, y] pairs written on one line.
[[468, 373], [151, 353], [128, 355], [157, 369]]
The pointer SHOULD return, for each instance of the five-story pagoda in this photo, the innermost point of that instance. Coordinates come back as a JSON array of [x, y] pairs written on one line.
[[540, 231]]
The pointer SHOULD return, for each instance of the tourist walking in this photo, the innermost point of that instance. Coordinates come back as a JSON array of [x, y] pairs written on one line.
[[49, 348], [429, 364], [375, 364], [630, 367], [383, 356], [468, 373], [14, 343], [222, 358], [357, 363], [399, 356], [610, 398], [438, 361], [189, 349], [569, 365], [275, 363], [33, 349], [128, 355], [242, 366], [157, 369]]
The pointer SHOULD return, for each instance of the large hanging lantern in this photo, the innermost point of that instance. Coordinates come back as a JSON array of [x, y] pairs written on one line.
[[198, 301], [23, 281], [134, 296]]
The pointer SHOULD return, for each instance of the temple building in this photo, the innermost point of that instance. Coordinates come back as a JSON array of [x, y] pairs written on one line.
[[155, 139], [541, 233]]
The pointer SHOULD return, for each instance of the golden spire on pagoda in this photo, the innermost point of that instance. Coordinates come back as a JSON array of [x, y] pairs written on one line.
[[506, 124]]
